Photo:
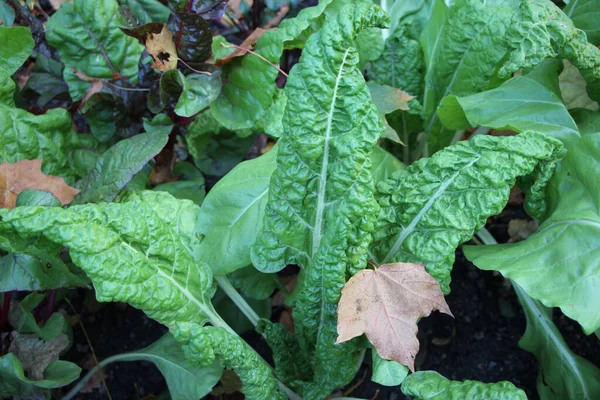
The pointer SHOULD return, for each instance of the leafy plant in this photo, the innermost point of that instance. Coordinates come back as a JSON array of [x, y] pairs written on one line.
[[145, 120]]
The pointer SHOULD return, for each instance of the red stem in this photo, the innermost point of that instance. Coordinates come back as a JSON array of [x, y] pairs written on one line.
[[4, 311], [50, 305]]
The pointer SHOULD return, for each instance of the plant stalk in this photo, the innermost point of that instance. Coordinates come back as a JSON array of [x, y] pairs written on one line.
[[239, 301]]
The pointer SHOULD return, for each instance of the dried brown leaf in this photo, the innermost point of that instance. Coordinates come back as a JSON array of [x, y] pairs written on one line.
[[36, 354], [385, 304], [27, 174], [162, 49], [278, 17]]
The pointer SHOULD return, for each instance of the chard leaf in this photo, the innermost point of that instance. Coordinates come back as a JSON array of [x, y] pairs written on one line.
[[384, 164], [472, 45], [435, 204], [147, 11], [184, 379], [24, 136], [193, 37], [401, 63], [321, 207], [25, 272], [585, 14], [87, 36], [14, 382], [16, 45], [7, 14], [249, 82], [572, 89], [429, 385], [138, 252], [253, 283], [117, 166], [559, 265], [199, 90], [231, 215], [529, 102], [563, 374], [587, 121], [7, 89]]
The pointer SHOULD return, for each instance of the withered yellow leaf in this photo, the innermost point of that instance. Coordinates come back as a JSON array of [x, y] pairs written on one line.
[[27, 174], [385, 304], [162, 49]]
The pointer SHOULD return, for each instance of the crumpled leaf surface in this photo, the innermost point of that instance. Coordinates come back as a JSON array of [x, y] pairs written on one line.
[[36, 354], [464, 44], [250, 82], [437, 203], [26, 174], [24, 136], [560, 263], [429, 385], [87, 36], [321, 207], [138, 252], [385, 303]]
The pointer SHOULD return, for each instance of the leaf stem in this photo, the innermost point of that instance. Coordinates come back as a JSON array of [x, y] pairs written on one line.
[[233, 46], [239, 301], [195, 70], [75, 390]]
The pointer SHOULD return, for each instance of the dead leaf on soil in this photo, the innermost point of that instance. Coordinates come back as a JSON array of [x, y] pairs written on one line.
[[96, 381], [521, 229], [36, 354], [248, 43], [162, 49], [97, 85], [279, 16], [27, 174], [385, 304]]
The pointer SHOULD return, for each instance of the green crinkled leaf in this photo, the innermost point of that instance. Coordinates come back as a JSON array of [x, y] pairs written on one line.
[[147, 11], [369, 45], [32, 197], [401, 63], [529, 102], [321, 208], [16, 45], [559, 265], [429, 385], [249, 82], [585, 14], [14, 382], [436, 204], [138, 252], [563, 374], [117, 166], [87, 36], [473, 45], [543, 31], [231, 215], [24, 136], [185, 381]]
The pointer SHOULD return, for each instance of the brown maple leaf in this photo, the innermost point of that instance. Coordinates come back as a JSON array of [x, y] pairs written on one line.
[[27, 174], [385, 303]]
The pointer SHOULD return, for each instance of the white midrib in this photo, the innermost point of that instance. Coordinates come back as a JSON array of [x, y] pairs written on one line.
[[323, 174], [411, 227], [322, 185], [564, 353], [214, 318]]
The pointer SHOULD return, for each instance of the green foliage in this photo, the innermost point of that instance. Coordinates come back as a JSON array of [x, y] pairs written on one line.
[[429, 385], [326, 198], [88, 39], [443, 203]]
